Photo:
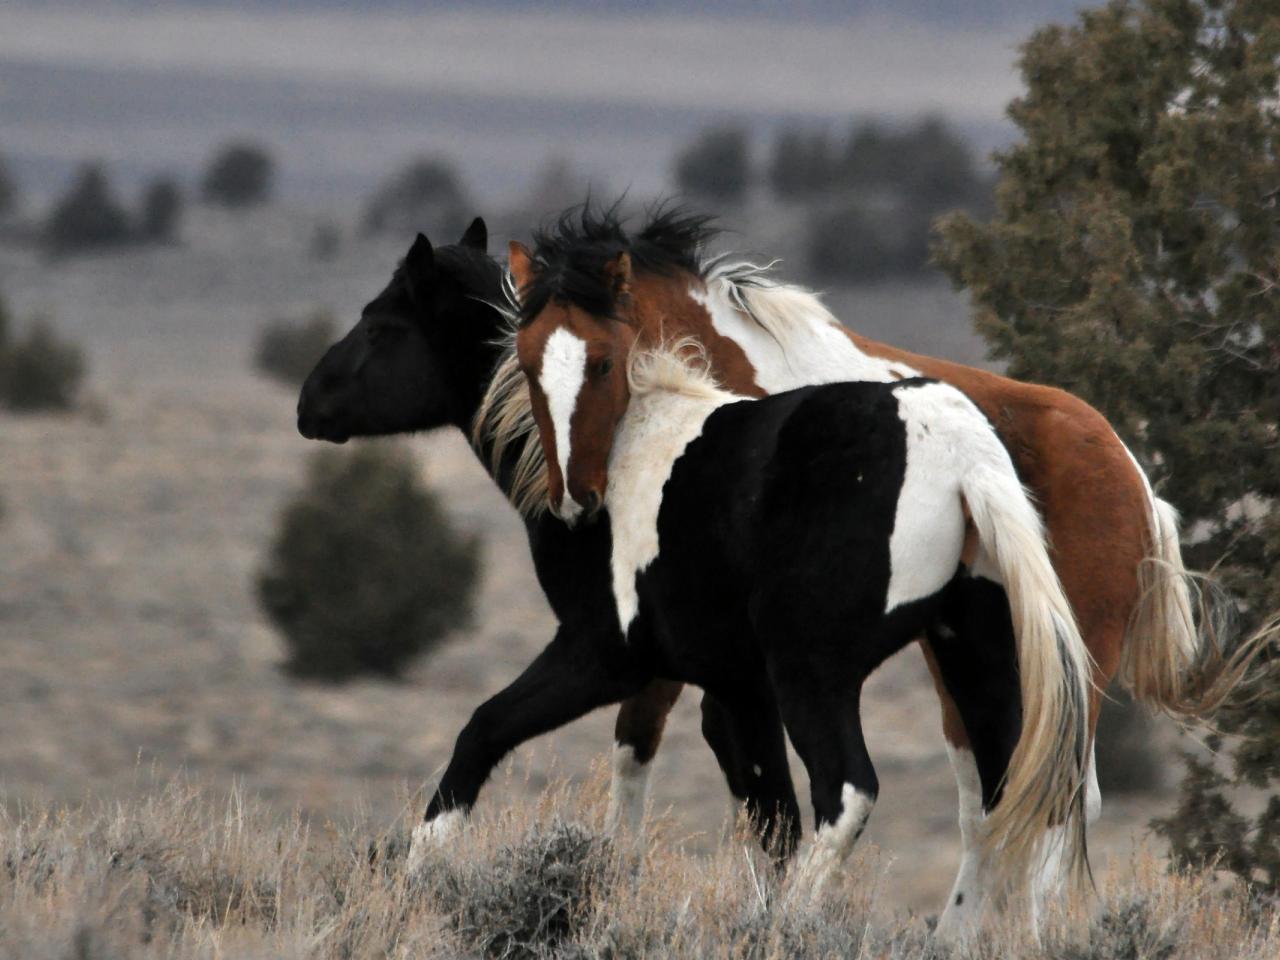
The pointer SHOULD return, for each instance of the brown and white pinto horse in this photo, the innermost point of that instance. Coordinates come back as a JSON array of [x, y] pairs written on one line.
[[1114, 544]]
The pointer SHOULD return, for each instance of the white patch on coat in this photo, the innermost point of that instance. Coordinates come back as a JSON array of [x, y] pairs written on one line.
[[431, 836], [971, 892], [929, 525], [651, 436], [817, 350], [564, 370], [833, 843], [627, 792]]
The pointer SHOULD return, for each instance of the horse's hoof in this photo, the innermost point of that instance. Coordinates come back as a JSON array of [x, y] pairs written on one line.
[[431, 837]]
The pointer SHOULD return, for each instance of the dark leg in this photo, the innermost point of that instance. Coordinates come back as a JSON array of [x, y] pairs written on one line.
[[751, 749], [567, 680], [822, 719], [637, 734]]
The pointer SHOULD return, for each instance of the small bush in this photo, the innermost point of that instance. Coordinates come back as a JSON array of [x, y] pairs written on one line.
[[8, 191], [239, 175], [532, 897], [88, 217], [288, 350], [365, 572], [716, 166], [40, 371], [161, 211], [425, 195]]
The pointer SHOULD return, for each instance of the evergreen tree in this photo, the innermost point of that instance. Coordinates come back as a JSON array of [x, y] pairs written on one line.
[[1134, 259], [88, 216], [239, 175]]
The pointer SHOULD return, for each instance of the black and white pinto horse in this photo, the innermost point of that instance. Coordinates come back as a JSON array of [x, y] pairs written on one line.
[[428, 352], [814, 533]]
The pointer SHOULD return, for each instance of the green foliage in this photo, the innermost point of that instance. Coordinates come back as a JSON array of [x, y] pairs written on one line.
[[365, 572], [288, 350], [39, 371], [161, 211], [239, 175], [426, 195], [1134, 259], [88, 217], [716, 166]]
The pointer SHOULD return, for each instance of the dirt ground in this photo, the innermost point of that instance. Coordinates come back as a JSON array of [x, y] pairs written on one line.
[[129, 635]]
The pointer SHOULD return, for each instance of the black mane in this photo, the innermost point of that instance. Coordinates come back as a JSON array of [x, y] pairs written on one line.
[[570, 256]]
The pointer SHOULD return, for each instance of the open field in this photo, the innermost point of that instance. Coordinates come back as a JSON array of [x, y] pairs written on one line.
[[187, 872], [131, 646]]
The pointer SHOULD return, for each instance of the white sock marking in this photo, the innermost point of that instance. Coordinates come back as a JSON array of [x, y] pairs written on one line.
[[971, 891], [627, 792], [431, 836], [832, 843]]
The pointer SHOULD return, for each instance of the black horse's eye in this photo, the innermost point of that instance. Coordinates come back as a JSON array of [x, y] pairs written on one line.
[[602, 367]]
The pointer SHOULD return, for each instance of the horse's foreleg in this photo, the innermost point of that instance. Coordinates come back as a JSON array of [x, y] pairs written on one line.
[[637, 734], [567, 680], [750, 746]]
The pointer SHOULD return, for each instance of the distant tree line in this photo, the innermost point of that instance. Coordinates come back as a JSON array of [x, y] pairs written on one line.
[[870, 195]]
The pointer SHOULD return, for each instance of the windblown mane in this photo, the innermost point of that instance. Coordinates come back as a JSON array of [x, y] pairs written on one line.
[[569, 259], [505, 421], [680, 366], [570, 256]]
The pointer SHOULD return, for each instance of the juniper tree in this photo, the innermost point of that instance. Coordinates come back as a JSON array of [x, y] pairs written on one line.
[[1134, 259]]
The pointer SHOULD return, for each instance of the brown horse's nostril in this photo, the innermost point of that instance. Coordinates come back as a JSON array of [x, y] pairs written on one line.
[[591, 503]]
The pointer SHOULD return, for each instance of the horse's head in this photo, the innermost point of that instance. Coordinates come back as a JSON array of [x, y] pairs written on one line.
[[413, 360], [575, 358]]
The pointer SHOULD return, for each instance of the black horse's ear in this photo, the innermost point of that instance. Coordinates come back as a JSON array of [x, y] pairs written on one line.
[[420, 269], [477, 236]]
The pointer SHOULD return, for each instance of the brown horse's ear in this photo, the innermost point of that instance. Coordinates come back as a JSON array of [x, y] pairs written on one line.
[[520, 263], [477, 236], [618, 272]]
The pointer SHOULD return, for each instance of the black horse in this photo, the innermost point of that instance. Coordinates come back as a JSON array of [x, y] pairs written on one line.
[[422, 356]]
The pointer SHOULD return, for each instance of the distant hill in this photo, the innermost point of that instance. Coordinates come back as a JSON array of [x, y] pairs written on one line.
[[947, 12]]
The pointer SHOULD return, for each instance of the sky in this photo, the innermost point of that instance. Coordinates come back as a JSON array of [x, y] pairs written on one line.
[[345, 93]]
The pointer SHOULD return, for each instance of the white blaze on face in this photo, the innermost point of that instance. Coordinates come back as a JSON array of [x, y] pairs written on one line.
[[564, 368]]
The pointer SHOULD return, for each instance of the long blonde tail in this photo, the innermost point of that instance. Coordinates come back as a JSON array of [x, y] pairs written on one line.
[[1181, 654], [1044, 785]]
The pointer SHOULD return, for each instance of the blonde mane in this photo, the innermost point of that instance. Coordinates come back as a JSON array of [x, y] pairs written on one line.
[[505, 420], [680, 366]]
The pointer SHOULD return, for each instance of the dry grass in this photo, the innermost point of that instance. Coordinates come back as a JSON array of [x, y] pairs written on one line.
[[187, 872]]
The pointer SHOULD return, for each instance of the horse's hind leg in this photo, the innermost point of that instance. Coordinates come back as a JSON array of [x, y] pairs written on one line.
[[637, 733], [823, 721], [972, 652]]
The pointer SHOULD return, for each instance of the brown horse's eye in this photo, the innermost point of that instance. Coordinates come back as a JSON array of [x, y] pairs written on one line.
[[602, 367]]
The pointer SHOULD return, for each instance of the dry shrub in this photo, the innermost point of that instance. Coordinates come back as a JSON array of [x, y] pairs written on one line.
[[40, 371], [190, 873]]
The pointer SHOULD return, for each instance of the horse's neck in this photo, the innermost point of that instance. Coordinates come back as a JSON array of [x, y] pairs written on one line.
[[653, 433], [793, 342]]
